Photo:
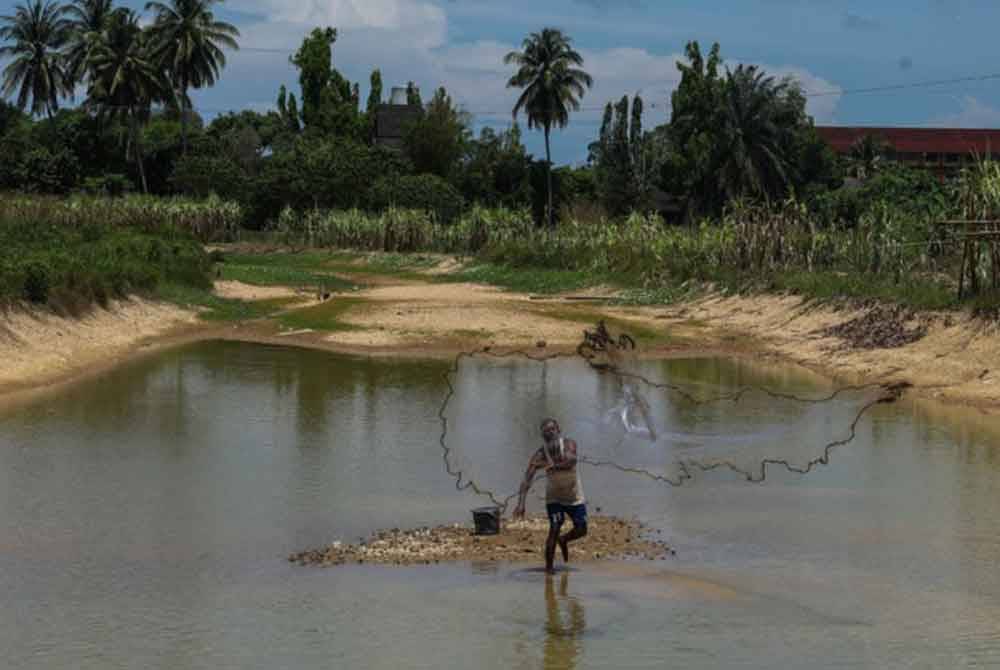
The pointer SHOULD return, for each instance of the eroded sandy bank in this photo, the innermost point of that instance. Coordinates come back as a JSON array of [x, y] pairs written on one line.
[[956, 360], [39, 348]]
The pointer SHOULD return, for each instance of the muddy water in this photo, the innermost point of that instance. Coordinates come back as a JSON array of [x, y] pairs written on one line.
[[146, 516]]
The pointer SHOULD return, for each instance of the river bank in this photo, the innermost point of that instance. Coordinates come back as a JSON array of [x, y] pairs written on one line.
[[946, 356], [608, 538]]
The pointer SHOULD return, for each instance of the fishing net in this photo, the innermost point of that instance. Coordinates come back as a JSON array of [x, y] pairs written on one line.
[[655, 422]]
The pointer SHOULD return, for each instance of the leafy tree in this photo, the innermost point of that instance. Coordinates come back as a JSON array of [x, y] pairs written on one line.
[[202, 175], [92, 142], [288, 109], [187, 41], [268, 128], [436, 142], [374, 100], [756, 137], [375, 92], [866, 156], [324, 173], [36, 161], [126, 81], [329, 101], [495, 169], [695, 104], [10, 116], [37, 72], [426, 191], [549, 72], [314, 60], [413, 95], [621, 158], [87, 19], [742, 135]]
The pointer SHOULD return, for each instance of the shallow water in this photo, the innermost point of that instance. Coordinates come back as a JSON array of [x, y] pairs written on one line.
[[147, 515]]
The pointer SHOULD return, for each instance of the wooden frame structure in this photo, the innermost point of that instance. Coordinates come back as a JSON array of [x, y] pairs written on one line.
[[976, 236]]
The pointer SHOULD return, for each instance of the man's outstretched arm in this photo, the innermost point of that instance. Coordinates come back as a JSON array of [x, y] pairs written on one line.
[[522, 493]]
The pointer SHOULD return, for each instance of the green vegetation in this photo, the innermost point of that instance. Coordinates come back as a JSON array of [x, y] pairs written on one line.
[[70, 267], [325, 317], [302, 270], [753, 199], [215, 308], [587, 318], [524, 279], [210, 220]]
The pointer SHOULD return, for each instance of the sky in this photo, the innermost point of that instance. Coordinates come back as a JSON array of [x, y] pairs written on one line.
[[832, 47]]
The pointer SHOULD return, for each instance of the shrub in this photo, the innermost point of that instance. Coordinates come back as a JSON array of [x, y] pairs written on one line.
[[427, 192]]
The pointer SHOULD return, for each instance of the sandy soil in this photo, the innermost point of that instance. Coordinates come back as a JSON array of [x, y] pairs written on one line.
[[408, 315], [518, 541], [39, 347], [956, 361], [239, 291]]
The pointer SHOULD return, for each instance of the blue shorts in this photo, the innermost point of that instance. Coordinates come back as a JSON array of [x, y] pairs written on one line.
[[558, 512]]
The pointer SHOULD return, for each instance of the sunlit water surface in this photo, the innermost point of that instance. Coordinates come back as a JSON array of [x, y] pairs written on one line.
[[147, 515]]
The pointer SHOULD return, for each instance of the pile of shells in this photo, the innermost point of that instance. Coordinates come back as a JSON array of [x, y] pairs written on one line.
[[609, 538], [878, 328]]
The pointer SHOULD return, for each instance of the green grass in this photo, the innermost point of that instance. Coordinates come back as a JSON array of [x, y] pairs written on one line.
[[828, 286], [589, 318], [220, 309], [325, 316], [383, 263], [305, 269], [524, 279]]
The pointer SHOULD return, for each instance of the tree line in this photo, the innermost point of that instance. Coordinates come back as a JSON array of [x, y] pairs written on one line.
[[734, 134]]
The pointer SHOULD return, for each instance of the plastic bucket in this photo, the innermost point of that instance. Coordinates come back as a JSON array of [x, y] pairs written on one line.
[[487, 520]]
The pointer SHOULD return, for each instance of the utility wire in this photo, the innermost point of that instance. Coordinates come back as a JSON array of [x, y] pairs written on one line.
[[491, 113]]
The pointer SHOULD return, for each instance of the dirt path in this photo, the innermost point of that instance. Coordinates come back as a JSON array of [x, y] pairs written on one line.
[[955, 358]]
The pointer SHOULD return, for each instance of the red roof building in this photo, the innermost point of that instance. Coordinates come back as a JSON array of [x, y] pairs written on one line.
[[941, 148]]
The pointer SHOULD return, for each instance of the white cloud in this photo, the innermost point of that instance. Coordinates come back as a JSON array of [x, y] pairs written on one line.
[[414, 21], [476, 76], [409, 40], [823, 108], [973, 114]]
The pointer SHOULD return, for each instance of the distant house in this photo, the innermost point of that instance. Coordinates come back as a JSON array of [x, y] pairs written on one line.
[[392, 120], [941, 150]]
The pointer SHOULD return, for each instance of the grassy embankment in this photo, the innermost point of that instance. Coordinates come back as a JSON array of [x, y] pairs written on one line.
[[886, 257], [72, 254]]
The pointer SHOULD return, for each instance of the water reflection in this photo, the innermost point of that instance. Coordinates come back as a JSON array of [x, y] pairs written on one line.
[[146, 516], [565, 623]]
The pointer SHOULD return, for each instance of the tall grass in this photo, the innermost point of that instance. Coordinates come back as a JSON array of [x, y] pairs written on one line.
[[403, 230], [210, 220], [776, 245], [48, 256]]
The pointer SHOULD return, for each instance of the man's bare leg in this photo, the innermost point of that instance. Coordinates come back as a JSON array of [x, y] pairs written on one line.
[[550, 549], [575, 534]]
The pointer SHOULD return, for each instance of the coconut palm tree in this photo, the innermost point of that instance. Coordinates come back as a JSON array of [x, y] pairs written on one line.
[[87, 18], [550, 73], [39, 32], [125, 80], [188, 42], [753, 154]]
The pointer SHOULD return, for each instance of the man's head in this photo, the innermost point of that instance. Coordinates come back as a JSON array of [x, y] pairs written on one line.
[[550, 430]]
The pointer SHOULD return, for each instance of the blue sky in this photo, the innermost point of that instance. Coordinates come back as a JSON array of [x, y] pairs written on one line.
[[632, 45]]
